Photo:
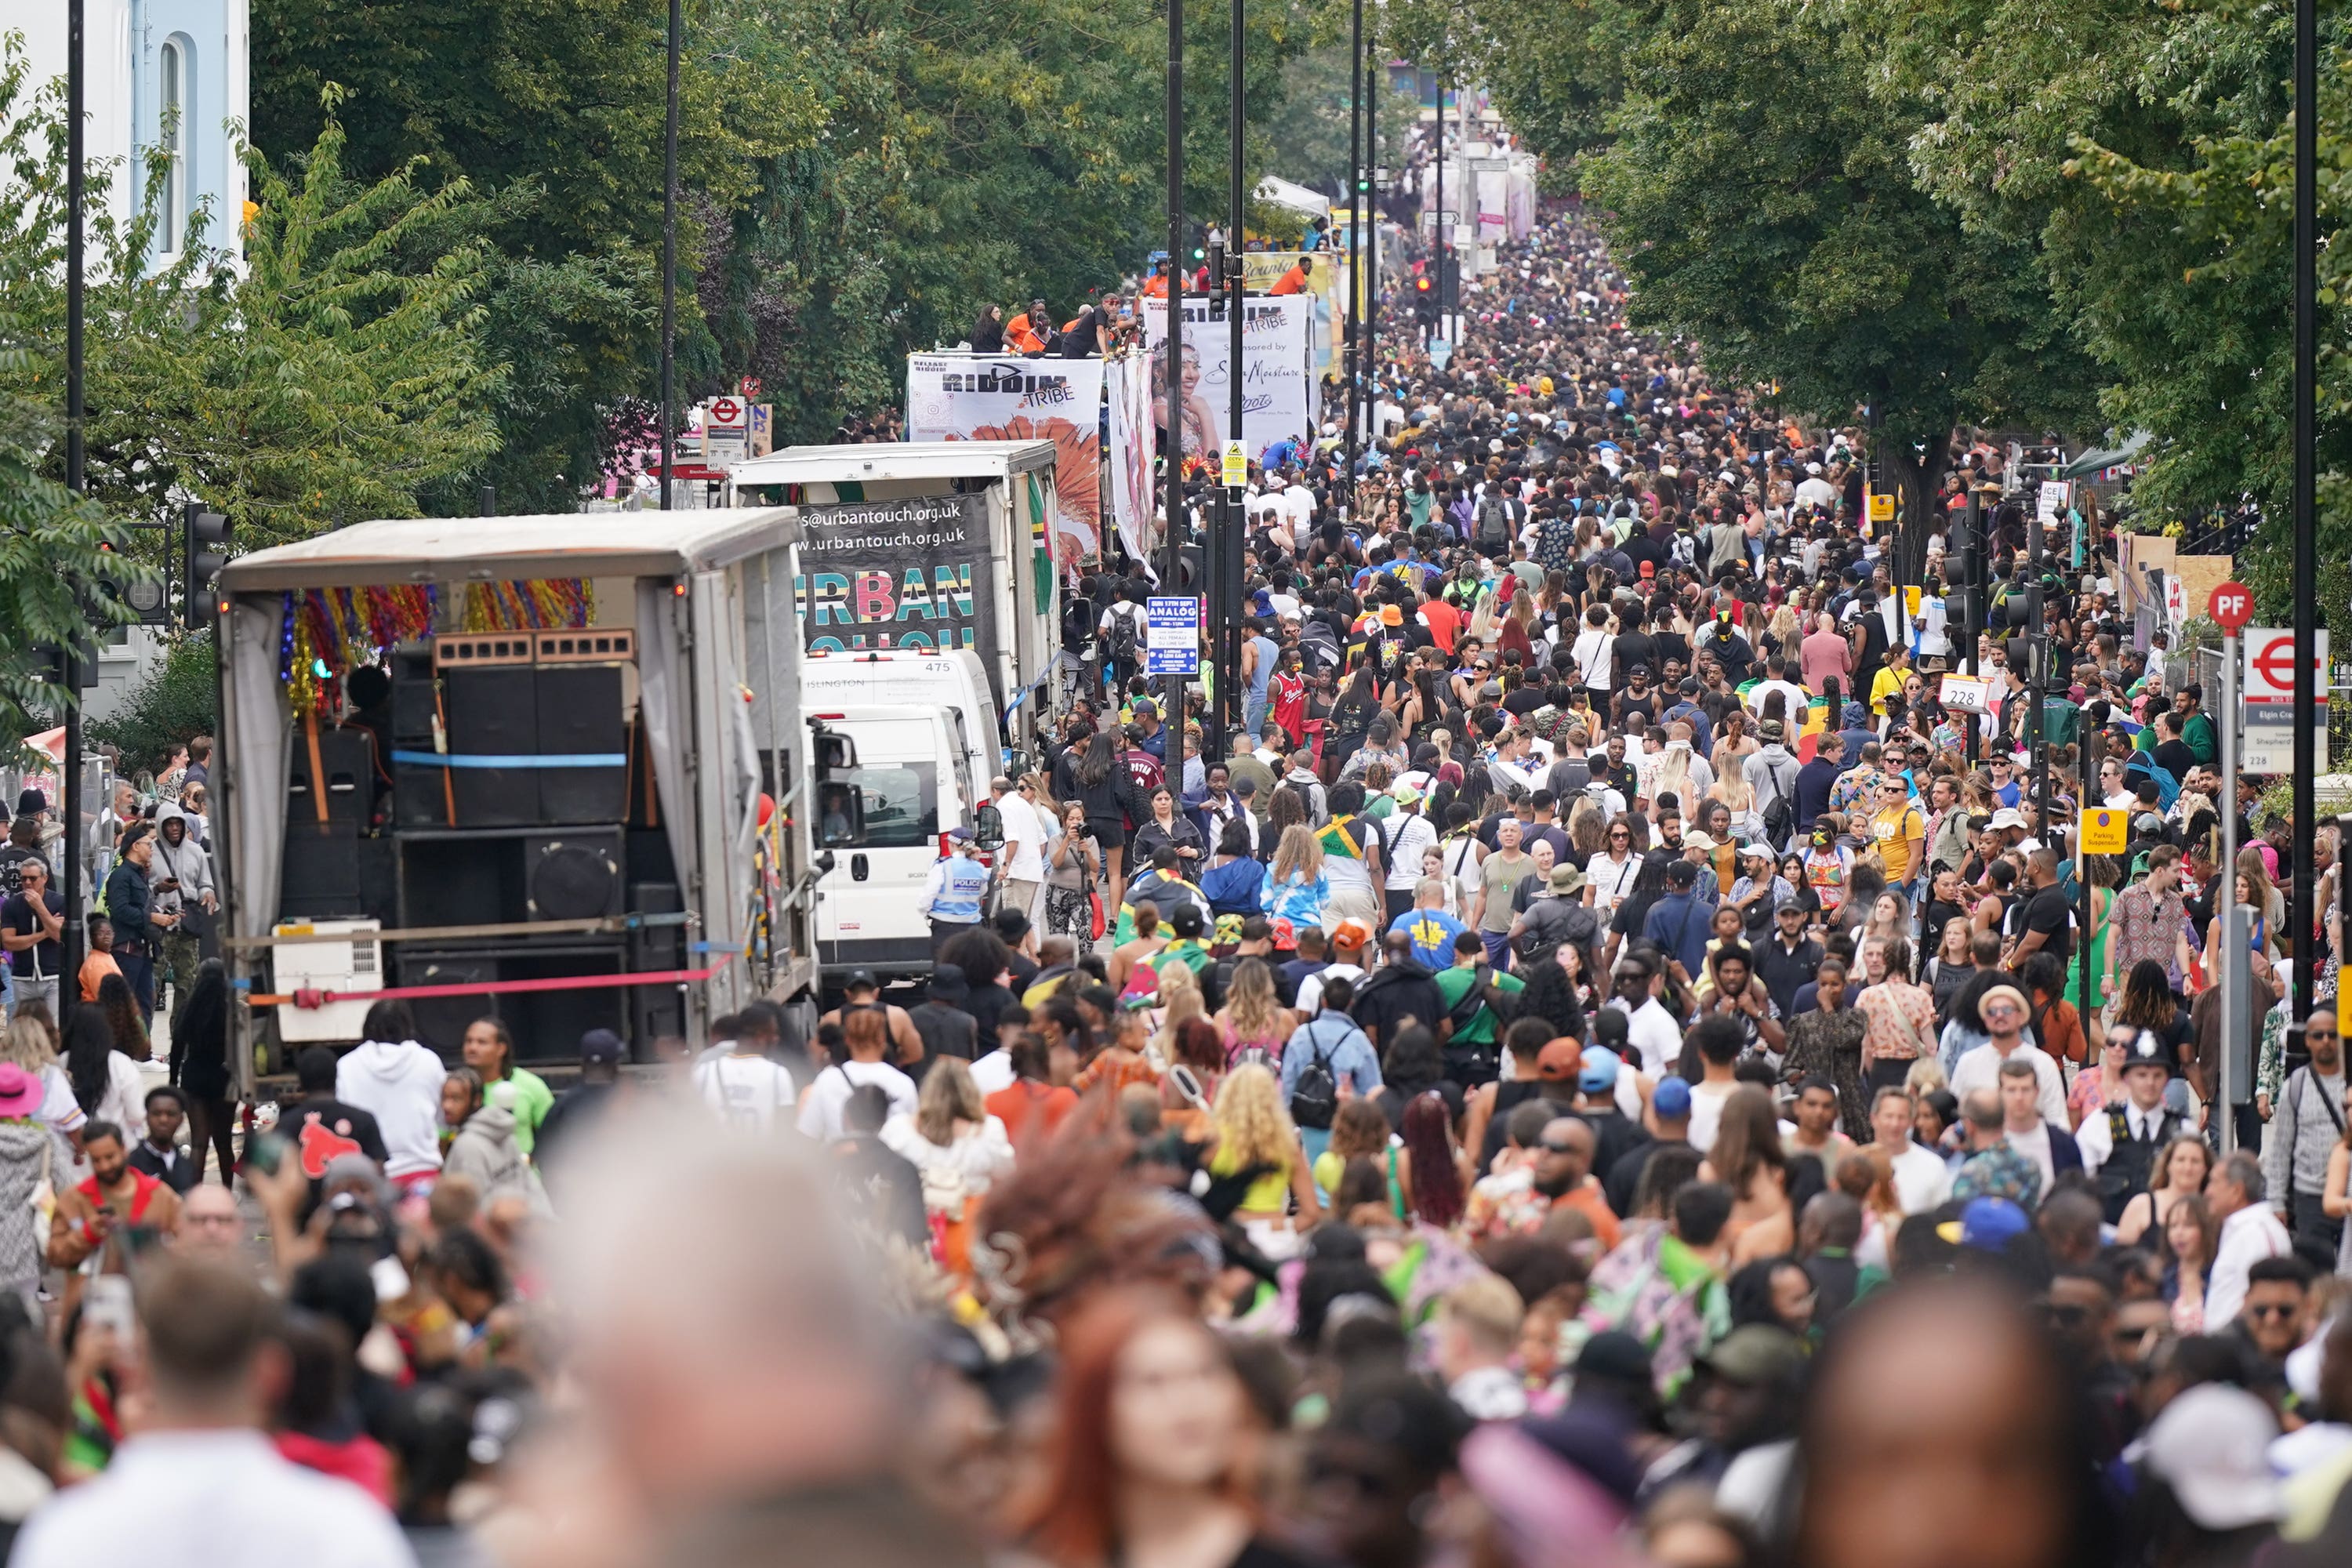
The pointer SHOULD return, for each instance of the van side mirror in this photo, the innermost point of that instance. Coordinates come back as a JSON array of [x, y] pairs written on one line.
[[831, 751], [988, 828]]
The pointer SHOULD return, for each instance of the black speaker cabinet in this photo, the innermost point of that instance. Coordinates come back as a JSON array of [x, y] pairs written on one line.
[[459, 881], [441, 1020], [655, 1011], [579, 715], [346, 772], [546, 1025], [320, 877], [421, 792], [571, 875], [379, 867], [412, 698], [493, 712]]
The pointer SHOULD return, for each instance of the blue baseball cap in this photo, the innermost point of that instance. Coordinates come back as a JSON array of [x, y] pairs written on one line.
[[1599, 1070], [1987, 1225], [1672, 1100]]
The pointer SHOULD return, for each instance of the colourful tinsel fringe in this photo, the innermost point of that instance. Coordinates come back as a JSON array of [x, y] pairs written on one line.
[[540, 604], [327, 633]]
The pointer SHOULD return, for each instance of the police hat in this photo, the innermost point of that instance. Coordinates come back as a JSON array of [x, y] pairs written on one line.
[[2149, 1049]]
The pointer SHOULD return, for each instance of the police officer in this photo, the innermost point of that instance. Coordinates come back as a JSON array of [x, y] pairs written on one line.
[[958, 888], [2122, 1144]]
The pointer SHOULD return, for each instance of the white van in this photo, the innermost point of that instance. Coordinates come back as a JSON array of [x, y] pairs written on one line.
[[953, 679], [915, 781]]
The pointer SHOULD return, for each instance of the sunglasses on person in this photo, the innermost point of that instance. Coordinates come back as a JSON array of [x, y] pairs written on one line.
[[1550, 1148], [2272, 1309]]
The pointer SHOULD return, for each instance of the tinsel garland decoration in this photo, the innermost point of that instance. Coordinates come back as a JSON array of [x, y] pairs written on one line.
[[539, 604]]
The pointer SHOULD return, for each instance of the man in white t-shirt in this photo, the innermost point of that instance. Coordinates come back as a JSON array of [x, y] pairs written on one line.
[[1650, 1028], [1922, 1179], [743, 1086], [1021, 863], [829, 1091]]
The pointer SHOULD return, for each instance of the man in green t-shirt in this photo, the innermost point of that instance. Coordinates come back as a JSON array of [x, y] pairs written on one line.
[[1463, 988]]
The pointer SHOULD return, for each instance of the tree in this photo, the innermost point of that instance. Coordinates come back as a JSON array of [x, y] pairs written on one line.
[[331, 379], [2145, 151], [552, 111], [1308, 140], [1765, 209]]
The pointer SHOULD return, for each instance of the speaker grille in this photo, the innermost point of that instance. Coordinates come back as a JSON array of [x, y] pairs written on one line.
[[572, 881]]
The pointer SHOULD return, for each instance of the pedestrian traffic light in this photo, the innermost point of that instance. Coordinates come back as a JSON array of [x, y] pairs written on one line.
[[204, 550], [52, 666], [137, 595]]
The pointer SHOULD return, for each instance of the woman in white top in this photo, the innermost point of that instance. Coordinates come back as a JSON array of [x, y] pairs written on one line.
[[1593, 651], [1609, 875], [1460, 855], [951, 1140]]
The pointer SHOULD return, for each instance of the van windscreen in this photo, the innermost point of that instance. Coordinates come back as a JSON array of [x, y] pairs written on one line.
[[902, 804]]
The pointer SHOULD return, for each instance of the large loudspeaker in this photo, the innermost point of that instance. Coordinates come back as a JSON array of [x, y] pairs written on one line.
[[346, 774], [441, 1020], [494, 712], [546, 1025], [579, 715], [655, 1011], [571, 875], [321, 875]]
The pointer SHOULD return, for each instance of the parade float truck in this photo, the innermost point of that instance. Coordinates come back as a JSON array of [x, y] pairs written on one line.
[[555, 770]]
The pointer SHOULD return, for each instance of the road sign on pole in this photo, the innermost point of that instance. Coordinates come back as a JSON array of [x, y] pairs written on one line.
[[2105, 831], [2232, 606], [1171, 634], [2269, 674]]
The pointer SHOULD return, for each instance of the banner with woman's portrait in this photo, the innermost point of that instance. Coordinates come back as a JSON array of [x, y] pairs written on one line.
[[1277, 393]]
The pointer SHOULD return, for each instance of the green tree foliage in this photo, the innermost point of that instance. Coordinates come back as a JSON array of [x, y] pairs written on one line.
[[2147, 152], [553, 109], [1308, 140], [176, 701], [1766, 208], [332, 378]]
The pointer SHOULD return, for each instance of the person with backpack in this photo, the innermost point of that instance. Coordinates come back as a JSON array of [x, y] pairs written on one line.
[[1479, 1003], [1326, 1058], [1771, 770]]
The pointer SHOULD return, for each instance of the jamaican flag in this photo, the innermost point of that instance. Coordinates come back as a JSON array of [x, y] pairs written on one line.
[[1337, 841]]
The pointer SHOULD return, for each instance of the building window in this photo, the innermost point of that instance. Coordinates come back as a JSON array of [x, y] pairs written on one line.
[[173, 128]]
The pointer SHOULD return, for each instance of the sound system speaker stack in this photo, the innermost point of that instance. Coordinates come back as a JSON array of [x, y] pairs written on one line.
[[510, 807]]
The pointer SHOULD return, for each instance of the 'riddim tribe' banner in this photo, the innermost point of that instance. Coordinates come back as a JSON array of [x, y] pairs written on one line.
[[898, 573], [992, 397]]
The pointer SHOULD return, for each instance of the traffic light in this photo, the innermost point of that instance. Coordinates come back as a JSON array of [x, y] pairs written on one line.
[[51, 666], [1424, 298], [1449, 283], [140, 594], [204, 550]]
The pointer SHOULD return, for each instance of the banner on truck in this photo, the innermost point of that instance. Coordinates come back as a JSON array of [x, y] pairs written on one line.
[[1277, 394], [1262, 269], [898, 573], [988, 397], [1132, 501]]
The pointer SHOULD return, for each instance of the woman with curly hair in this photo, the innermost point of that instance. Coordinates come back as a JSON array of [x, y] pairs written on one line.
[[1252, 1141]]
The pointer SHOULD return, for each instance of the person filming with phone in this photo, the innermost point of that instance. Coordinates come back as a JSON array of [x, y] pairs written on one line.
[[115, 1202]]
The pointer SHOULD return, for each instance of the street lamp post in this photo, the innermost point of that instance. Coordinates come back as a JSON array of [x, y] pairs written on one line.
[[669, 262], [2304, 487], [1172, 547], [68, 803]]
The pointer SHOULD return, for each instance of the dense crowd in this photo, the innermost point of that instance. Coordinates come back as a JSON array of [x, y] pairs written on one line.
[[1589, 1066]]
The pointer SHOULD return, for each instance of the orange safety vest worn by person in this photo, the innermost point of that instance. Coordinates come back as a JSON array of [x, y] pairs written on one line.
[[1295, 280]]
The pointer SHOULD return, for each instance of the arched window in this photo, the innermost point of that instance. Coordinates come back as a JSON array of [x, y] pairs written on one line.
[[172, 131]]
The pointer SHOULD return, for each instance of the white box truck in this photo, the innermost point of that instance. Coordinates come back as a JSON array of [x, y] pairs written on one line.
[[931, 547]]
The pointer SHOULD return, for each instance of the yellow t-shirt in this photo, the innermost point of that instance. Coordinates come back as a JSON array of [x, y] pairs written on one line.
[[1886, 683], [1892, 828]]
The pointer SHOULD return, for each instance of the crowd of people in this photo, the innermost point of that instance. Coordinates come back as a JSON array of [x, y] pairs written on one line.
[[1594, 1066]]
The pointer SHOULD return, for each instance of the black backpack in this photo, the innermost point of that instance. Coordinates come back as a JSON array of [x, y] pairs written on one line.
[[1315, 1102], [1780, 815], [1122, 636]]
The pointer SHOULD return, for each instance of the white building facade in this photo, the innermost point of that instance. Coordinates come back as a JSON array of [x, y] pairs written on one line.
[[168, 74]]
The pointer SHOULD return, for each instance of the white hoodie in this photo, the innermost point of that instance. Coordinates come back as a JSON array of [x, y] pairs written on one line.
[[400, 1086]]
